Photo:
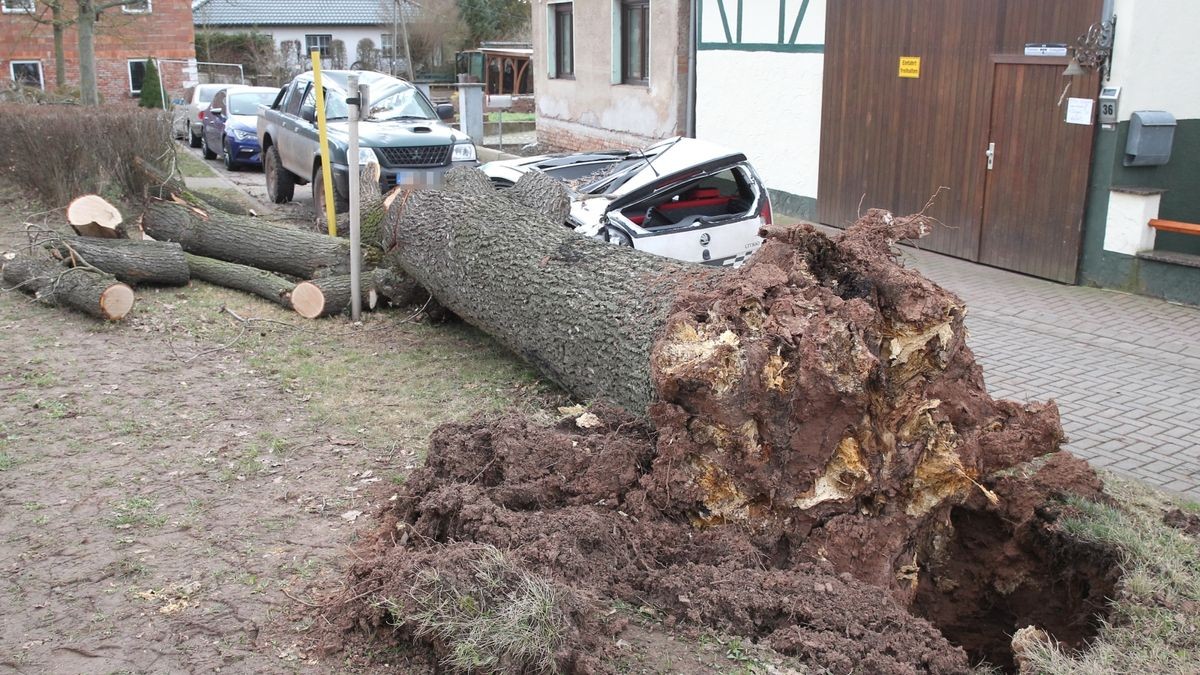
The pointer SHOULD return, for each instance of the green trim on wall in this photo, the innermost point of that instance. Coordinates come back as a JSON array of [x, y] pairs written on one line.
[[760, 47], [733, 35], [1181, 178]]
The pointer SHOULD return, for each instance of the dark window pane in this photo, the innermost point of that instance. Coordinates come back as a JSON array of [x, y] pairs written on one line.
[[564, 39], [28, 73], [635, 42], [137, 71]]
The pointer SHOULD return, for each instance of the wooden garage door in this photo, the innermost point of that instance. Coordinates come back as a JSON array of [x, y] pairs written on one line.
[[892, 142]]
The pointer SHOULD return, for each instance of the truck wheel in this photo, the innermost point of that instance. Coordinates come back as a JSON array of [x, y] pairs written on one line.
[[340, 205], [281, 185]]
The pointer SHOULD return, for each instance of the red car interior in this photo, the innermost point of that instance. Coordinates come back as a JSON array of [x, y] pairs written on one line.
[[699, 201]]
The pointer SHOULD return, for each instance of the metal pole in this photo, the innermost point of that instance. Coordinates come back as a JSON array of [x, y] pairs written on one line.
[[354, 103]]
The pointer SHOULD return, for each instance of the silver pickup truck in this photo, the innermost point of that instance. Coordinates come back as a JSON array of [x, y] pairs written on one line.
[[400, 130]]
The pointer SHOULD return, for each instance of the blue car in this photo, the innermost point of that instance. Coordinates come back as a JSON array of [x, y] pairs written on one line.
[[229, 128]]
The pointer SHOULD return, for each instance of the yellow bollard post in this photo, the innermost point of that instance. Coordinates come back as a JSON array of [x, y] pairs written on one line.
[[326, 169]]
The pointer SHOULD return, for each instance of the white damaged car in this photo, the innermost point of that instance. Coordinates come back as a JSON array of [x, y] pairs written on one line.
[[681, 198]]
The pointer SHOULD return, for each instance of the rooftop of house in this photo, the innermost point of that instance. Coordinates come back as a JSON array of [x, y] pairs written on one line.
[[299, 12]]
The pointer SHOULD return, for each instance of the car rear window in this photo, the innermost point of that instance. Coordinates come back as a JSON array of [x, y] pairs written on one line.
[[247, 103], [207, 93]]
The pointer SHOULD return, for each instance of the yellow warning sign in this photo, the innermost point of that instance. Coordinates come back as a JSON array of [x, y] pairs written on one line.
[[910, 66]]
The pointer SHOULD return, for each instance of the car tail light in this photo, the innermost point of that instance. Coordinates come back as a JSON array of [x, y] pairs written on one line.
[[765, 211], [200, 116]]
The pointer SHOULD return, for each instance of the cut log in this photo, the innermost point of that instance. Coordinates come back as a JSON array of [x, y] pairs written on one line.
[[241, 277], [331, 295], [94, 293], [249, 241], [134, 262], [822, 382], [93, 216]]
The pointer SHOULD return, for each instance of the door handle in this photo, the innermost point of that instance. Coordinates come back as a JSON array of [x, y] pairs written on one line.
[[991, 155]]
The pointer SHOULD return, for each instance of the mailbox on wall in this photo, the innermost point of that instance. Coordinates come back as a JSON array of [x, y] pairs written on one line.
[[1151, 135]]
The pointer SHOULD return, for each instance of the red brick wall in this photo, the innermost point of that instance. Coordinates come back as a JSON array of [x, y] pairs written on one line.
[[165, 33], [555, 134]]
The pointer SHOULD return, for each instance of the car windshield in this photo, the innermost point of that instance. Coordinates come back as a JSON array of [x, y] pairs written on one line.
[[207, 93], [247, 103], [403, 102]]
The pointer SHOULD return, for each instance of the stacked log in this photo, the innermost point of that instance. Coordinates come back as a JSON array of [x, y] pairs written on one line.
[[87, 290], [134, 262]]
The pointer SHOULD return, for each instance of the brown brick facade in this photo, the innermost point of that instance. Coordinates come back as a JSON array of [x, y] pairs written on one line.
[[165, 32]]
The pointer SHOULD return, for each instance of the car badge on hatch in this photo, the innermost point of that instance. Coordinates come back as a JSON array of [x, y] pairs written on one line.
[[704, 239]]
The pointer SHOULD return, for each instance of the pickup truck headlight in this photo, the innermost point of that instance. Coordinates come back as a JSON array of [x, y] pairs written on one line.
[[367, 156], [463, 152]]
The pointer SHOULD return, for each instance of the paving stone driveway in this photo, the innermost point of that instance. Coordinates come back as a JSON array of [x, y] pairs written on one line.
[[1125, 369]]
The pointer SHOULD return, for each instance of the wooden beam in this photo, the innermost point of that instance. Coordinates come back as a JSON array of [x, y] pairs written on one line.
[[1175, 226]]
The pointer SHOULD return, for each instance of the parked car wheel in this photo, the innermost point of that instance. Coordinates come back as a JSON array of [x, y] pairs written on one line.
[[226, 155], [208, 153], [194, 139], [318, 191], [281, 185]]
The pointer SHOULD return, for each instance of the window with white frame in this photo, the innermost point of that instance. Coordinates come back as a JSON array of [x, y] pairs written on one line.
[[10, 6], [385, 45], [634, 29], [561, 38], [137, 73], [27, 73], [136, 7], [319, 43]]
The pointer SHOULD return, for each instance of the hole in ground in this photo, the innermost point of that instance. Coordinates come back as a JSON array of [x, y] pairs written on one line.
[[992, 577]]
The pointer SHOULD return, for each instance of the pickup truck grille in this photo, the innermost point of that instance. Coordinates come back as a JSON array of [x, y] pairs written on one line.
[[425, 155]]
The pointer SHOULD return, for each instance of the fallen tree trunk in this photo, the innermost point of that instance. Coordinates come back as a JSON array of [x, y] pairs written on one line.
[[241, 277], [820, 383], [163, 184], [331, 295], [242, 239], [94, 216], [131, 261], [94, 293]]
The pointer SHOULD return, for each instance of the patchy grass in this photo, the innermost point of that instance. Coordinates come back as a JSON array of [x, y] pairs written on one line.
[[511, 117], [1155, 623], [191, 167], [386, 384], [136, 512], [7, 461]]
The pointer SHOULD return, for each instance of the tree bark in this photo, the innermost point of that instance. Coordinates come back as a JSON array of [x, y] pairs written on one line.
[[85, 26], [331, 295], [94, 293], [60, 59], [134, 262], [240, 277], [241, 239], [822, 383], [584, 312]]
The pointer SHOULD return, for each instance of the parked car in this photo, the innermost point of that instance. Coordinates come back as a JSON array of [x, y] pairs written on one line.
[[680, 198], [231, 125], [188, 113], [400, 130]]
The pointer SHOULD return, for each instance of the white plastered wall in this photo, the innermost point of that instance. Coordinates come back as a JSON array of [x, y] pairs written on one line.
[[1156, 60], [765, 102]]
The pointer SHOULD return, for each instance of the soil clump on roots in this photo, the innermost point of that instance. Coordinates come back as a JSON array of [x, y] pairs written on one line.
[[822, 466]]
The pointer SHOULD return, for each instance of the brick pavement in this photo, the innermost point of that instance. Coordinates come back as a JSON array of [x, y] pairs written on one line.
[[1125, 369]]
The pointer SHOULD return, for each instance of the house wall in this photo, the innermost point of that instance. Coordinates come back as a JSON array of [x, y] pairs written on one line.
[[164, 33], [1156, 62], [759, 73], [589, 111], [350, 35]]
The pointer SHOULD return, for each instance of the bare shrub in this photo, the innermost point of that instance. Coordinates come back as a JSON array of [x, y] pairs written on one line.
[[61, 152]]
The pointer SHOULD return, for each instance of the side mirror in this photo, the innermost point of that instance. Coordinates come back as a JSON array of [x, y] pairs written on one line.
[[216, 111], [309, 114], [445, 111]]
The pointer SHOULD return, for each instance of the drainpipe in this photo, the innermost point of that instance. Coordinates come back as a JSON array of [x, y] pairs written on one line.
[[693, 30]]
